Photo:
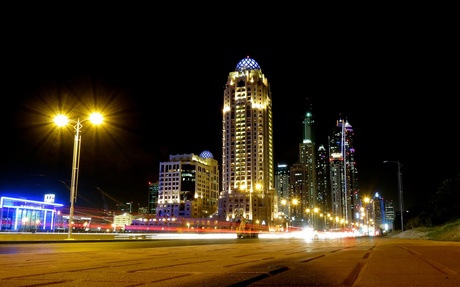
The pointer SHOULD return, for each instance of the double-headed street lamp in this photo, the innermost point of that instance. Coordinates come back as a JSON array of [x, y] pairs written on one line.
[[288, 202], [62, 120], [400, 191]]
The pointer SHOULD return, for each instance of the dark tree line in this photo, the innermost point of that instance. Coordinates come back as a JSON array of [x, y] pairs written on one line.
[[444, 206]]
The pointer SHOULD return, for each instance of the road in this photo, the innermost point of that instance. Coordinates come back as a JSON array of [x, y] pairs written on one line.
[[361, 261]]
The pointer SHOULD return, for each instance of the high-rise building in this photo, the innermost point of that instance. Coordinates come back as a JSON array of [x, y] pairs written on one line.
[[153, 197], [248, 187], [303, 173], [389, 213], [282, 186], [379, 212], [343, 173], [322, 180], [307, 157], [298, 198], [188, 186]]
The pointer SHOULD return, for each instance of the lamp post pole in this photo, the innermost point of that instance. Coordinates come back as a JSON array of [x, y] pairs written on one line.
[[366, 201], [315, 218], [294, 202], [74, 178], [368, 222], [289, 215], [400, 192], [286, 218]]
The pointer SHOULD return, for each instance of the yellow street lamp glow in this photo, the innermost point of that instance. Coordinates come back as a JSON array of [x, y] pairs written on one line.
[[96, 118], [61, 120]]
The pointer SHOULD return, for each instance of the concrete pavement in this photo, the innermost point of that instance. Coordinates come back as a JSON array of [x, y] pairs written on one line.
[[356, 262]]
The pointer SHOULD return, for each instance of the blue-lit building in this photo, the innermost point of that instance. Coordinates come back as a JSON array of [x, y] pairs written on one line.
[[18, 214]]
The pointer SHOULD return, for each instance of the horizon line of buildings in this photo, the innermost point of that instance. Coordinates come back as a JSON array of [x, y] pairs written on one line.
[[320, 190], [322, 182]]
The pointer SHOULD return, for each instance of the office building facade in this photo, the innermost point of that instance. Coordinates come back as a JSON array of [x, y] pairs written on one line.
[[188, 186]]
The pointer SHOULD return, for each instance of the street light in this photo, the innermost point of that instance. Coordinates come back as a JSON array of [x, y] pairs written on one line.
[[288, 202], [400, 191], [283, 203], [315, 221], [294, 202], [62, 120], [367, 201]]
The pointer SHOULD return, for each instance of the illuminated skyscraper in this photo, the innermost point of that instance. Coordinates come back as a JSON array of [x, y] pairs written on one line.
[[282, 184], [379, 212], [343, 173], [305, 185], [248, 189], [389, 214], [323, 197]]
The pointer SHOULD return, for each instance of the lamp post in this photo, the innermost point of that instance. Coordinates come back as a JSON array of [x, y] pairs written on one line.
[[294, 202], [62, 120], [315, 221], [283, 203], [367, 200], [400, 191], [290, 218]]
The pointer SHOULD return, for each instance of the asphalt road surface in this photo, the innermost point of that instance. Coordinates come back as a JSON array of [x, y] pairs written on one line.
[[361, 261]]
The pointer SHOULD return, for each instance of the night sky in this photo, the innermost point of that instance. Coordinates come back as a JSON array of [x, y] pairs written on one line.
[[162, 94]]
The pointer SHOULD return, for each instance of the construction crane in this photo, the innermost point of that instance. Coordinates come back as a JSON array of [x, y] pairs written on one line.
[[116, 201], [78, 195]]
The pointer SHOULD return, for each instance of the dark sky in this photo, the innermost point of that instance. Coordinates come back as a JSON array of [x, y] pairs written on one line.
[[162, 93]]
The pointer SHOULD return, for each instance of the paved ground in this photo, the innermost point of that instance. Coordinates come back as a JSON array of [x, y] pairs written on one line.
[[355, 262], [27, 236]]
